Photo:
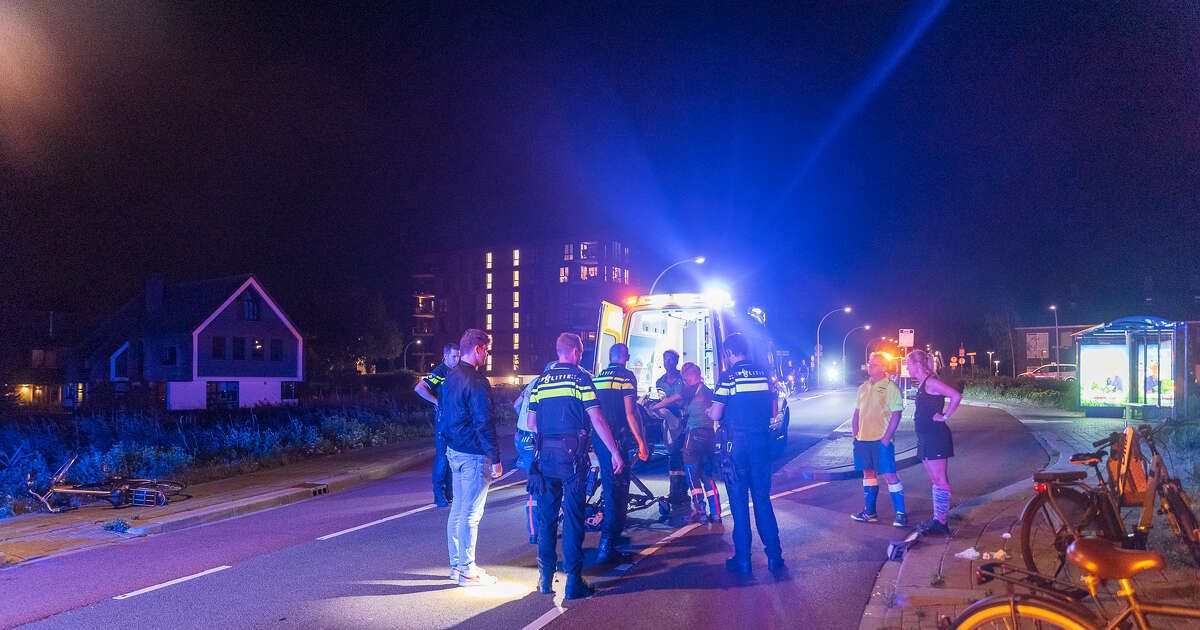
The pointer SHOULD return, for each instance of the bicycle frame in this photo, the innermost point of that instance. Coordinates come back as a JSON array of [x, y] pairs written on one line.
[[1138, 611]]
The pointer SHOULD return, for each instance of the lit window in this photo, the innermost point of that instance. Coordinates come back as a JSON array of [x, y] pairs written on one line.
[[564, 274], [616, 274], [487, 260], [516, 341], [516, 258], [487, 284], [583, 273], [568, 252], [626, 276], [516, 321], [489, 321], [516, 278], [591, 271], [516, 363], [588, 250], [489, 363], [516, 299], [489, 301]]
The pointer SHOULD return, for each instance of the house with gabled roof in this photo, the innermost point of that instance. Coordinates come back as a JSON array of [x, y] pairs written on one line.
[[214, 343]]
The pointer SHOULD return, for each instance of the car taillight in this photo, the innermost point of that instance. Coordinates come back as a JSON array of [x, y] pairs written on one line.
[[1040, 487]]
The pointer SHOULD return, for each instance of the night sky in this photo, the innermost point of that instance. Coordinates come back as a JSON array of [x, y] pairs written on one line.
[[927, 166]]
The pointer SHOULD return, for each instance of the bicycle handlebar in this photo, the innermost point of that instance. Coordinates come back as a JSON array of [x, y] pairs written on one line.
[[1106, 441]]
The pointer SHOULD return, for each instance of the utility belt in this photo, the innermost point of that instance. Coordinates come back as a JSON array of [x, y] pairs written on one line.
[[563, 455]]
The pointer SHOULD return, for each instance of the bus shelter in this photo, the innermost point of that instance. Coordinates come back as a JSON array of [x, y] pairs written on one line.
[[1135, 368]]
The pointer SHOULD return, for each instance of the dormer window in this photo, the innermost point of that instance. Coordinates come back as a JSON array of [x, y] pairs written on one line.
[[250, 308]]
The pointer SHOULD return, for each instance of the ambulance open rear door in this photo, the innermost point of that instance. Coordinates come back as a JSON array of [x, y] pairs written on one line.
[[610, 330]]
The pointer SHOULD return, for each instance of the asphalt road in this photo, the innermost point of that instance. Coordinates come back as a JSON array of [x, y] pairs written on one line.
[[298, 566]]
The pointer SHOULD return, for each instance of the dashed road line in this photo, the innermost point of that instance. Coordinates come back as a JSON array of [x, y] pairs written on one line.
[[148, 589]]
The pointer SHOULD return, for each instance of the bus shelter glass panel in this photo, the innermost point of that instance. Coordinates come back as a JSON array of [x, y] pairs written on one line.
[[1156, 373], [1103, 376]]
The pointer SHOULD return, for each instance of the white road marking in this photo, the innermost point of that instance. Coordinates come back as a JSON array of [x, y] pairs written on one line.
[[382, 520], [418, 510], [550, 615], [172, 582], [785, 493], [813, 396]]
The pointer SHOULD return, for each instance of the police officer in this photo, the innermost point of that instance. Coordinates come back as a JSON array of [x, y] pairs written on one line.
[[428, 388], [744, 405], [616, 389], [669, 388], [560, 409], [525, 442]]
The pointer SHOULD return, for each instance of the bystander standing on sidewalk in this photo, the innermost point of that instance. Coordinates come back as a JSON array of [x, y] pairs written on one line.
[[876, 417], [428, 388], [935, 445], [473, 451]]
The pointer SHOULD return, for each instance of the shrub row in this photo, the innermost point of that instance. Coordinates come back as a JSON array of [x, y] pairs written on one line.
[[1040, 392]]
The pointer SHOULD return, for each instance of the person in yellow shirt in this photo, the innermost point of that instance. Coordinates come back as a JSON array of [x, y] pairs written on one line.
[[876, 416]]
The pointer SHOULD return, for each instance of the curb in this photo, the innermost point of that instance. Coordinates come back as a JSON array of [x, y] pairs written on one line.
[[848, 472]]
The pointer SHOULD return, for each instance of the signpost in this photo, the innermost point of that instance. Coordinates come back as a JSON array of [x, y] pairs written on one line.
[[906, 338]]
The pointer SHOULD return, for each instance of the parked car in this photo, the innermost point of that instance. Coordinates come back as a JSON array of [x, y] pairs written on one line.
[[1057, 371]]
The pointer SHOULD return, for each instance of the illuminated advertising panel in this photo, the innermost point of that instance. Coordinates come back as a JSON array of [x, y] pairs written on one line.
[[1103, 372], [1156, 369]]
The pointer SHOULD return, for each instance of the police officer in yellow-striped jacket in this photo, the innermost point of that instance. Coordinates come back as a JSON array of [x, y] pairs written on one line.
[[744, 404], [563, 410], [616, 389]]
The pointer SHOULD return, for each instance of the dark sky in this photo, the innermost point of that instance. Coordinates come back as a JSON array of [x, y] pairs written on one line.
[[1014, 154]]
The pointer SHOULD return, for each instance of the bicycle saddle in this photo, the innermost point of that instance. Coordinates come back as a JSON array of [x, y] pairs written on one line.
[[1087, 458], [1065, 477], [1107, 561]]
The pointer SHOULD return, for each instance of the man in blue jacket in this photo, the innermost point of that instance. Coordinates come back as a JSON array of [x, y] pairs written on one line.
[[473, 451]]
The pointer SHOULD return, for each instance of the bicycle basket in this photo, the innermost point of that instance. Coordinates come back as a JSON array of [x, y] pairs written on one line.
[[147, 497]]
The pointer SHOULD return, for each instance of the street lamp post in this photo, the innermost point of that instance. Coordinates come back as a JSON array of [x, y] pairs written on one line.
[[817, 357], [1057, 358], [844, 370], [406, 346], [699, 260], [990, 353]]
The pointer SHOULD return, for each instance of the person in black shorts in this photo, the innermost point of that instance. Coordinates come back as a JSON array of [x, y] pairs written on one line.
[[935, 445]]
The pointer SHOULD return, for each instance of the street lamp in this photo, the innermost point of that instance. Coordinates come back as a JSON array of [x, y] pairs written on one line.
[[1057, 358], [817, 357], [990, 353], [845, 365], [405, 353], [699, 260]]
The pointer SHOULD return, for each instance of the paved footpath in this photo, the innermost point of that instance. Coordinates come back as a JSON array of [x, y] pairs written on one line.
[[931, 582]]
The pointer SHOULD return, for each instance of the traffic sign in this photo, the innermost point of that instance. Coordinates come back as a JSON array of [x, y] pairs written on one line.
[[953, 361], [906, 337]]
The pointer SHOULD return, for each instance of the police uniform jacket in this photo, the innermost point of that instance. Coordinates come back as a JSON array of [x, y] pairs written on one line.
[[434, 381], [745, 391], [613, 385], [561, 400]]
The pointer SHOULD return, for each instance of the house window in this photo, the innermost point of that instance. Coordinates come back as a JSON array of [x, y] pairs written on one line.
[[516, 364], [487, 281], [218, 348], [583, 273], [257, 350], [516, 278], [276, 349], [250, 308], [489, 301], [487, 260], [588, 271], [568, 251], [489, 321], [239, 348], [516, 258], [516, 321], [516, 341], [516, 299], [287, 390], [170, 355], [221, 394], [588, 250], [489, 362], [564, 274]]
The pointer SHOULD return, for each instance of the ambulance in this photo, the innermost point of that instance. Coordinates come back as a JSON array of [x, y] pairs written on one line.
[[693, 324]]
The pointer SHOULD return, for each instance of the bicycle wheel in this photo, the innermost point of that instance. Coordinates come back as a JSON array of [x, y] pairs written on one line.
[[1045, 534], [1182, 518], [1023, 612]]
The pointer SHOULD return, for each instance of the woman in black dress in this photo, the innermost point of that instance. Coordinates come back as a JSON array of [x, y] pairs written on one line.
[[935, 445]]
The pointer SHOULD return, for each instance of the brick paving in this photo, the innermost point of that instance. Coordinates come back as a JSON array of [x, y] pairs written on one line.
[[931, 583]]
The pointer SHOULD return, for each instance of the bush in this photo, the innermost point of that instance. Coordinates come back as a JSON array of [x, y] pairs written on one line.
[[1040, 392]]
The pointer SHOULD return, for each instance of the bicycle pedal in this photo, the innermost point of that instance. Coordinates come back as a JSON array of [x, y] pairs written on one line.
[[143, 497]]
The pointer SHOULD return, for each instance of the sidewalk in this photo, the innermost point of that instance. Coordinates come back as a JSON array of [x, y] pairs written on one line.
[[931, 581], [33, 536], [832, 459]]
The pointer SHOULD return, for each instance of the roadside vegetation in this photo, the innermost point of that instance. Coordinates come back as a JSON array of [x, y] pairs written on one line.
[[1040, 392], [198, 446]]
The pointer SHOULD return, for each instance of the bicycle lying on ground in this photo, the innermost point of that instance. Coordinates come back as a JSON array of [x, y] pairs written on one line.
[[1051, 603], [117, 490], [1066, 508]]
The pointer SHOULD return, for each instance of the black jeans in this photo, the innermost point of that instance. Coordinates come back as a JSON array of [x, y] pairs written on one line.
[[751, 477], [443, 483], [566, 494], [614, 492]]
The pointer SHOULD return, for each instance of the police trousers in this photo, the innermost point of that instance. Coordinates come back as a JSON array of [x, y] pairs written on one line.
[[614, 491], [566, 493], [748, 475]]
